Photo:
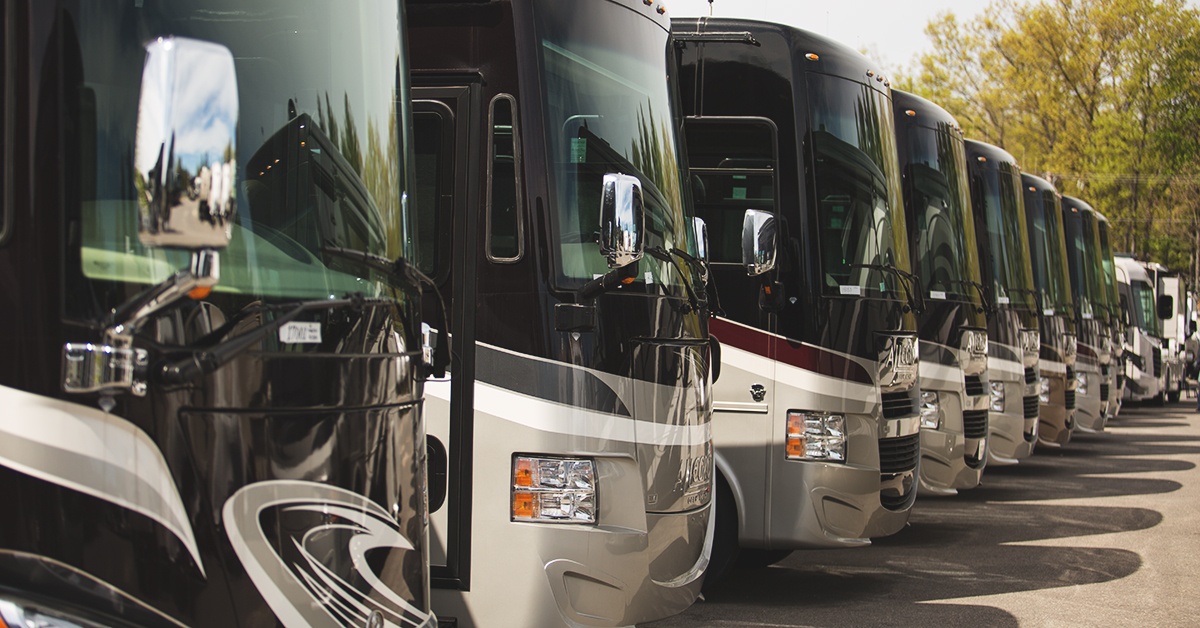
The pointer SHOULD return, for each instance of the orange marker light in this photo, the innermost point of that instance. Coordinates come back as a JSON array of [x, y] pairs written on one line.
[[523, 474], [199, 292], [627, 280], [522, 505], [812, 56]]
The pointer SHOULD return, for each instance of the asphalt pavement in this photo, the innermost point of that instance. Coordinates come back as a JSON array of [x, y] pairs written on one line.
[[1102, 532]]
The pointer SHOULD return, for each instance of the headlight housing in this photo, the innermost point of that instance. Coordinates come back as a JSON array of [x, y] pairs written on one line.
[[553, 490], [931, 409], [19, 613], [1081, 384], [997, 392], [1044, 389], [816, 436]]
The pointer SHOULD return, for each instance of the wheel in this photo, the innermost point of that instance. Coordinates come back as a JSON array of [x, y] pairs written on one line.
[[1173, 396], [1157, 400], [725, 536], [753, 558]]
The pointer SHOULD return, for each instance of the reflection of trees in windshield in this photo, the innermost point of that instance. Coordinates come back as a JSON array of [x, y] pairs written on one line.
[[945, 255], [1011, 276], [1146, 317], [854, 176]]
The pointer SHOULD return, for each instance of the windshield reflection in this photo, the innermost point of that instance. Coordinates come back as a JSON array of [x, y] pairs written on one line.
[[1008, 243], [857, 187]]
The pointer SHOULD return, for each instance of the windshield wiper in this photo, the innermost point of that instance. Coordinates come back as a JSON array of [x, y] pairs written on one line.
[[985, 304], [203, 362], [910, 282], [705, 274], [660, 253]]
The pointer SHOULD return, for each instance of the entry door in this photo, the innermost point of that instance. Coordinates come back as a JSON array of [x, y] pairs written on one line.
[[446, 114]]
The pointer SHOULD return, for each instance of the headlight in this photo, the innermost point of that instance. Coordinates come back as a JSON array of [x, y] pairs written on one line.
[[997, 390], [816, 436], [1031, 342], [1081, 384], [931, 410], [1044, 389], [553, 490]]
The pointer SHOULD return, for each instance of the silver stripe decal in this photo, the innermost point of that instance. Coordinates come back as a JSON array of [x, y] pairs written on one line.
[[555, 418], [93, 452]]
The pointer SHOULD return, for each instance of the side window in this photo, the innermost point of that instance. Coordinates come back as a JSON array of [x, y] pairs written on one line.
[[732, 170], [505, 227], [433, 192]]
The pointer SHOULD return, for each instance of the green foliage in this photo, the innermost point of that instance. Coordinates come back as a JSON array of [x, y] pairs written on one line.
[[1099, 96]]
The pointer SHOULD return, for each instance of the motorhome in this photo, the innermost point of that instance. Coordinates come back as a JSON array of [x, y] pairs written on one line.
[[210, 404], [1056, 319], [794, 169], [953, 325], [1113, 327], [570, 447], [1171, 309], [1094, 349], [1014, 342], [1142, 332]]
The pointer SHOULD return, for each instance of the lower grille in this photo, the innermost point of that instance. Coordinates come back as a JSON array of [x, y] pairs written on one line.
[[1030, 375], [1031, 407], [975, 423], [1157, 361], [897, 455], [974, 385], [1104, 391], [1069, 398], [898, 404], [1070, 373]]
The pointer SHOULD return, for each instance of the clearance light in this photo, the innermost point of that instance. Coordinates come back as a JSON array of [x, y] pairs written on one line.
[[997, 396], [931, 410], [812, 56], [1044, 390], [553, 490], [816, 436], [981, 158], [910, 113]]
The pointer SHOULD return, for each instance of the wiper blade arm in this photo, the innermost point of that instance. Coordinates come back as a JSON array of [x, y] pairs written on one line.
[[660, 253], [983, 297], [910, 282], [201, 363]]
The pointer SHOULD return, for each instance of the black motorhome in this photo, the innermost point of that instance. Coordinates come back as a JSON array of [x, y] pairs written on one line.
[[793, 166], [953, 324], [1052, 279], [571, 446], [1013, 339], [1094, 347], [1114, 326], [210, 400]]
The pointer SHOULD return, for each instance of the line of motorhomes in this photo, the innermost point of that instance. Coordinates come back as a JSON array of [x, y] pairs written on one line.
[[506, 312]]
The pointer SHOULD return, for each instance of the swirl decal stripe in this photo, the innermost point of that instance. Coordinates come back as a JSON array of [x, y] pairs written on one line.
[[326, 580], [93, 452]]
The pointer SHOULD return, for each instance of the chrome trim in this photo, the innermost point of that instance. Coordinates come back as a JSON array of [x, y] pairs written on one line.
[[906, 426]]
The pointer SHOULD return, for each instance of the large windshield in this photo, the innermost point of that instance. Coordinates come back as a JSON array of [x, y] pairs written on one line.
[[857, 187], [944, 252], [1109, 285], [1008, 242], [1047, 248], [1080, 261], [319, 144], [1095, 268], [1145, 316], [609, 109]]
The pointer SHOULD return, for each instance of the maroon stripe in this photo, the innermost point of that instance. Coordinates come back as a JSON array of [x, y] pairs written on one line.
[[796, 354]]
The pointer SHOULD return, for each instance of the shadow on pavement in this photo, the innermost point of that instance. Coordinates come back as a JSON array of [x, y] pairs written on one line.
[[969, 545]]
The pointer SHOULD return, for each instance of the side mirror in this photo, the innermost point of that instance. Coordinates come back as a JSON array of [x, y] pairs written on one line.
[[758, 242], [185, 156], [701, 229], [622, 218], [1166, 306]]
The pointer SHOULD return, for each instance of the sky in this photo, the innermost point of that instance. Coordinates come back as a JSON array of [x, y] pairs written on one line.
[[893, 32]]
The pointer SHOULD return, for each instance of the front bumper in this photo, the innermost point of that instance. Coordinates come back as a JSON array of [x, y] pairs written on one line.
[[1014, 431], [950, 459]]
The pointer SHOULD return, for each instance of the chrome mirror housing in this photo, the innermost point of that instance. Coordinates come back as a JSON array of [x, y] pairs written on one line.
[[758, 242], [622, 220], [186, 148], [701, 229]]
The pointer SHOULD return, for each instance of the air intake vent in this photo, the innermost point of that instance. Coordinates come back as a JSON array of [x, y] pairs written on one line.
[[975, 423], [1069, 399], [1157, 361], [1031, 407], [1030, 375], [899, 404], [1104, 391], [974, 385]]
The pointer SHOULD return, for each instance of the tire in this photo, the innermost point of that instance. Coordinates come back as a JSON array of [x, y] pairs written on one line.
[[1173, 396], [725, 537], [753, 558], [1157, 400]]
